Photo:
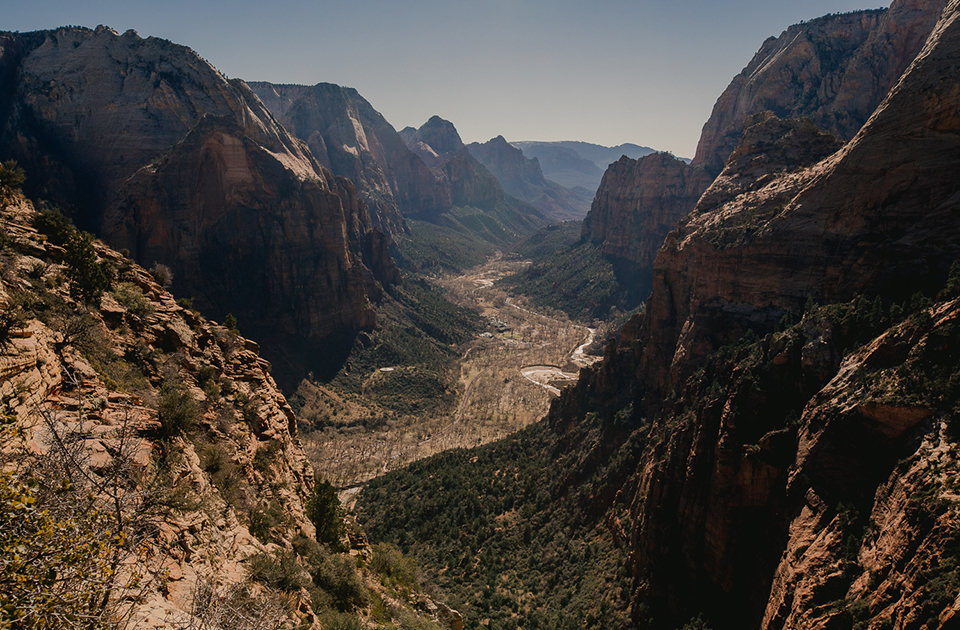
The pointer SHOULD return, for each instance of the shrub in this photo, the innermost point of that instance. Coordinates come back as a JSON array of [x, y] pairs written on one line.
[[55, 226], [280, 571], [264, 518], [12, 317], [332, 620], [177, 410], [337, 576], [325, 512], [230, 322], [11, 175], [389, 561], [162, 274], [87, 278], [131, 298]]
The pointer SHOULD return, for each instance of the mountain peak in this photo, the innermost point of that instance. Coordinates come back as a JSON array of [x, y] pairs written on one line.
[[439, 135]]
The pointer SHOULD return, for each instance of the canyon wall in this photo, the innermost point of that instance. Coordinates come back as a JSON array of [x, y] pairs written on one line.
[[638, 203], [796, 452], [835, 70], [144, 142], [348, 136]]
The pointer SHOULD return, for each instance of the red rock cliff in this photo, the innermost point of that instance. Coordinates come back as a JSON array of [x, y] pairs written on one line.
[[639, 202], [348, 136], [155, 149], [799, 478], [835, 69]]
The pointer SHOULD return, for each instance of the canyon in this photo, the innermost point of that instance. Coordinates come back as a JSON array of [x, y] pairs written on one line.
[[145, 143], [767, 438]]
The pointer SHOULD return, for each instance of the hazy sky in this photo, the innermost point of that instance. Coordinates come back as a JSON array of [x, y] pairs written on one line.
[[603, 71]]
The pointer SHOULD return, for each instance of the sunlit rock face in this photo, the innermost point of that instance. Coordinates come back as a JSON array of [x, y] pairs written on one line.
[[151, 147], [835, 70], [760, 469], [348, 136]]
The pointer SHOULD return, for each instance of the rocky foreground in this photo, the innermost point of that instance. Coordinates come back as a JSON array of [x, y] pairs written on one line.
[[173, 489]]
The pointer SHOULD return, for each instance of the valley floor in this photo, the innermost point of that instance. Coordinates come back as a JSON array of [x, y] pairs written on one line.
[[508, 376]]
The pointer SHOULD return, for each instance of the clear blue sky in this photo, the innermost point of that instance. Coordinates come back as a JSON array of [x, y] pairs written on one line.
[[603, 71]]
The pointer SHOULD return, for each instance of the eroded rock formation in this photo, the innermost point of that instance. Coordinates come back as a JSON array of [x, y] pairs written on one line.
[[154, 149], [797, 475], [170, 429], [470, 187], [638, 203], [348, 136], [522, 178], [835, 70]]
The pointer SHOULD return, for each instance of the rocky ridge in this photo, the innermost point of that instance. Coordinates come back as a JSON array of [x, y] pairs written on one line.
[[480, 207], [787, 468], [177, 424], [349, 137], [638, 203], [835, 69], [522, 178], [150, 146]]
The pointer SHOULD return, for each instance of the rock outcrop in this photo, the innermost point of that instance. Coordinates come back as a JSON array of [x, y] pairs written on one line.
[[797, 475], [435, 141], [109, 375], [502, 219], [522, 178], [349, 137], [829, 231], [170, 429], [835, 70], [154, 149], [638, 203]]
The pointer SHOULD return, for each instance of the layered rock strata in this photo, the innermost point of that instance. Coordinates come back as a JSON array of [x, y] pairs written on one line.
[[348, 136], [797, 475], [154, 149], [638, 203], [835, 69]]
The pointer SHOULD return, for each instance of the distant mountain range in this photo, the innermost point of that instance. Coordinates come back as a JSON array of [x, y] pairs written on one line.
[[572, 164]]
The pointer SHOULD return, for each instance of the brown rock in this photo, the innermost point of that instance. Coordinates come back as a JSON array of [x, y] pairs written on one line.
[[638, 203], [835, 69], [167, 158], [348, 136], [522, 178]]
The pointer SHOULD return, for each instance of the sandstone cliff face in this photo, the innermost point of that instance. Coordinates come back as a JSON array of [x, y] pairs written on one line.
[[53, 378], [522, 178], [154, 149], [173, 428], [836, 70], [638, 203], [801, 475], [220, 210], [83, 110], [435, 141], [348, 136], [829, 231]]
